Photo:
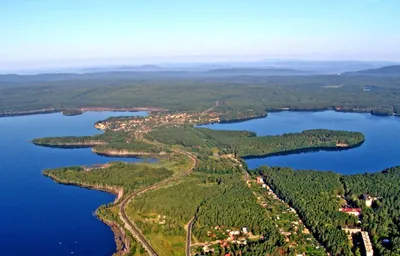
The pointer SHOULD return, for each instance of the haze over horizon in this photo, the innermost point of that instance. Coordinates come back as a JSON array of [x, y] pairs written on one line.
[[52, 34]]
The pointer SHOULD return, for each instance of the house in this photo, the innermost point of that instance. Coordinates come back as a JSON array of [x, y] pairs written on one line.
[[368, 200], [234, 233], [260, 180], [207, 249], [353, 211]]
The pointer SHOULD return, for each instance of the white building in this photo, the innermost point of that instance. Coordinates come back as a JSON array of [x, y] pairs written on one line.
[[367, 244]]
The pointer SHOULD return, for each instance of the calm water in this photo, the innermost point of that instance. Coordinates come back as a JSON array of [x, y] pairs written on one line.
[[36, 213], [380, 149]]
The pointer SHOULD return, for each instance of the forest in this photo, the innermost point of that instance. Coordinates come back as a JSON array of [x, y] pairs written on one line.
[[214, 200], [317, 196], [179, 91], [103, 143], [247, 144], [118, 174], [382, 220], [115, 137], [234, 208], [314, 195]]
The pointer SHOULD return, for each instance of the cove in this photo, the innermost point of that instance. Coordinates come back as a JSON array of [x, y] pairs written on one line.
[[39, 216], [379, 151]]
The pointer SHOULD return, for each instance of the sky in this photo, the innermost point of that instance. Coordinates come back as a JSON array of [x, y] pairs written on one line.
[[36, 33]]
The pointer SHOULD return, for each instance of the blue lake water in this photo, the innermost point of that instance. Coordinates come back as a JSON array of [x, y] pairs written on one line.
[[39, 216], [379, 151]]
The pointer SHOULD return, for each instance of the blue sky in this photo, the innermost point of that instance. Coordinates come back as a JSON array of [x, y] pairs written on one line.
[[83, 32]]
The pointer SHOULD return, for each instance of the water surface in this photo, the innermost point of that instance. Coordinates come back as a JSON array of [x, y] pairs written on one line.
[[379, 151], [39, 216]]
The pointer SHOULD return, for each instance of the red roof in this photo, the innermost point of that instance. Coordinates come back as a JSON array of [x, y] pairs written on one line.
[[350, 210]]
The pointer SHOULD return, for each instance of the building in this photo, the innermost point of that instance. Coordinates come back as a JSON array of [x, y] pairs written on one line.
[[260, 180], [368, 200], [353, 211], [367, 244]]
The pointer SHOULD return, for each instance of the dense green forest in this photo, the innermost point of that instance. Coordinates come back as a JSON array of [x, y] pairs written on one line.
[[314, 195], [382, 220], [246, 144], [118, 174], [103, 143], [114, 137], [211, 165], [235, 207], [72, 112], [239, 94]]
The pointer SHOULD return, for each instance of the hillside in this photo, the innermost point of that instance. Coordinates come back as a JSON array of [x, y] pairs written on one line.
[[260, 71], [384, 71]]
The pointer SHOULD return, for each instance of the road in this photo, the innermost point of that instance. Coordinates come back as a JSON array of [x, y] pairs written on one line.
[[189, 236], [210, 109], [129, 225]]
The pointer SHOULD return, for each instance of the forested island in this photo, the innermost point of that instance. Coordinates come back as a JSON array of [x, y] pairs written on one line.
[[200, 197], [72, 112]]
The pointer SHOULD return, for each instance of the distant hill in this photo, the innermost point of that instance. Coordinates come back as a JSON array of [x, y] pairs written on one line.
[[260, 71], [122, 68], [384, 71]]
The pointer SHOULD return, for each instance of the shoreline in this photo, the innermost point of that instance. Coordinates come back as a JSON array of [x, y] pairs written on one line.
[[304, 150], [121, 240], [154, 109], [83, 109]]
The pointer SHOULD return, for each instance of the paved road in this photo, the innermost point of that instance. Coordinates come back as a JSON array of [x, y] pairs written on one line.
[[189, 236], [131, 226]]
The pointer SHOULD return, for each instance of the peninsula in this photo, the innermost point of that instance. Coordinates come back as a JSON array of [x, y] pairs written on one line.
[[199, 197]]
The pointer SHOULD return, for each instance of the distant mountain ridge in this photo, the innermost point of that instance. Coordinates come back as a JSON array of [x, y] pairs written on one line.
[[260, 71], [393, 70], [123, 68]]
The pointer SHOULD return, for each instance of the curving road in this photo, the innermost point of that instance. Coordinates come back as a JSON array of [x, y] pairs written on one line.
[[129, 225], [189, 236]]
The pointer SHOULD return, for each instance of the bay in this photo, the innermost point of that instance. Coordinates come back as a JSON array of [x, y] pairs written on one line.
[[379, 151], [39, 216]]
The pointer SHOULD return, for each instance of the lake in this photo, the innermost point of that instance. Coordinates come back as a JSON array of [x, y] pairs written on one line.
[[39, 216], [379, 151]]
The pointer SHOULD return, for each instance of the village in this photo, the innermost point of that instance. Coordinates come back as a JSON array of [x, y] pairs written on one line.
[[288, 222], [346, 208], [143, 125], [283, 216]]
